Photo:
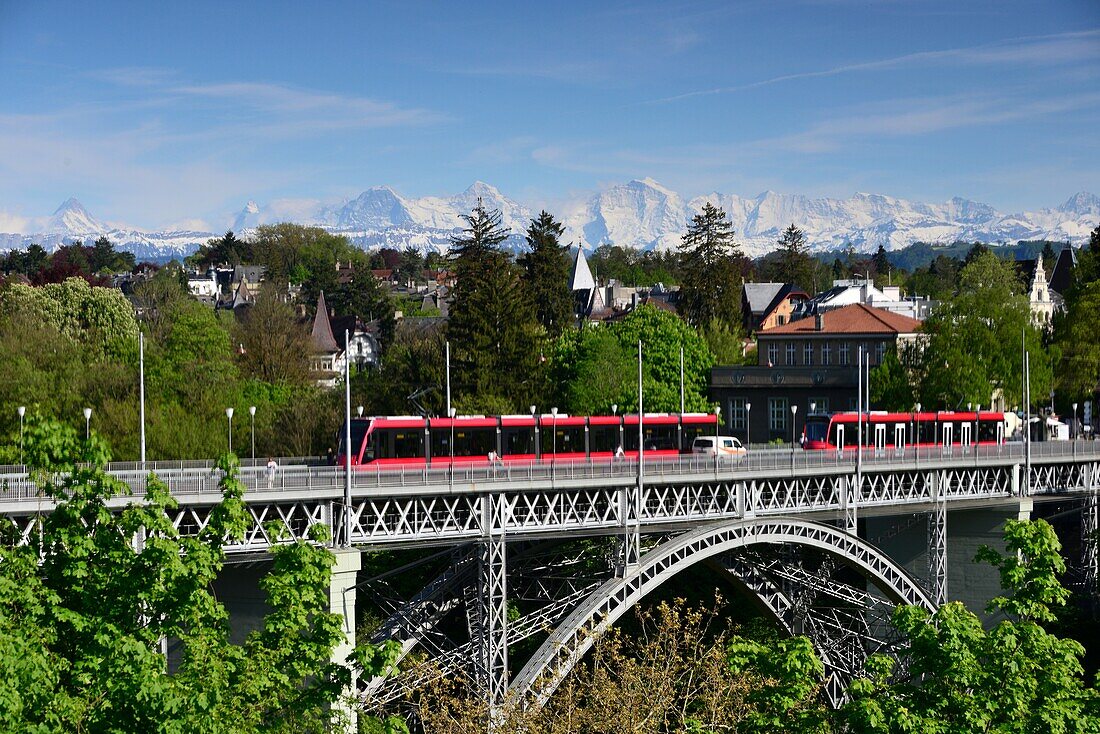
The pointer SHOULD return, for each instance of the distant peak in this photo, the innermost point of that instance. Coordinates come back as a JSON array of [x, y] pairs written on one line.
[[252, 207], [70, 205], [1081, 202]]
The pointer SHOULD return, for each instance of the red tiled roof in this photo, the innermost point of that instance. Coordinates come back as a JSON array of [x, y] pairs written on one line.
[[857, 318]]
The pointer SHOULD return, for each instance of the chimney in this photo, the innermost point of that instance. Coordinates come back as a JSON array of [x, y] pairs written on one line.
[[819, 322]]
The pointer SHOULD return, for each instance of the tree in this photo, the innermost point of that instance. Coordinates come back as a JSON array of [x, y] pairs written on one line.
[[1078, 368], [587, 368], [1048, 256], [1094, 242], [710, 290], [492, 328], [880, 261], [1015, 677], [891, 389], [84, 610], [275, 345], [363, 296], [224, 250], [546, 274], [973, 341], [795, 264], [788, 675]]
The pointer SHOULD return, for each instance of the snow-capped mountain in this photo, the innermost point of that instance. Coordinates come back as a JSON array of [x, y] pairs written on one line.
[[642, 214]]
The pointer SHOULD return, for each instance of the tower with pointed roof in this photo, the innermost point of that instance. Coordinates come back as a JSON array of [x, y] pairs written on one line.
[[328, 356], [586, 293]]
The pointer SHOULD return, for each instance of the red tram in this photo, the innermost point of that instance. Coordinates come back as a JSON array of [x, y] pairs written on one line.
[[897, 431], [411, 441]]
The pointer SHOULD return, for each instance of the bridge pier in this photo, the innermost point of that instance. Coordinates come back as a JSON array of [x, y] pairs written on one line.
[[342, 592], [490, 631], [937, 539]]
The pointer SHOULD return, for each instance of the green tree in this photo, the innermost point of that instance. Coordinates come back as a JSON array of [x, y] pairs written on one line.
[[973, 343], [1078, 368], [795, 263], [492, 329], [85, 607], [788, 676], [274, 344], [592, 371], [224, 250], [1015, 677], [710, 290], [880, 261], [363, 296], [546, 274], [891, 388]]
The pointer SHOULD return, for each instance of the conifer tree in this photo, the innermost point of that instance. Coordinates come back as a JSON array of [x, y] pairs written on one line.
[[880, 261], [546, 274], [795, 265], [492, 328], [710, 289]]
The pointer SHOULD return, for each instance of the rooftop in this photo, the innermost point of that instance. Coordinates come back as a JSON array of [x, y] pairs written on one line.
[[857, 318]]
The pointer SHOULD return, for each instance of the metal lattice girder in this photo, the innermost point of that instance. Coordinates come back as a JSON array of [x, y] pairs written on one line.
[[937, 539], [1090, 525], [491, 631], [575, 635]]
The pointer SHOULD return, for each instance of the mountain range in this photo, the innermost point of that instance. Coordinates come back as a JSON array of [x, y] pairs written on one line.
[[641, 214]]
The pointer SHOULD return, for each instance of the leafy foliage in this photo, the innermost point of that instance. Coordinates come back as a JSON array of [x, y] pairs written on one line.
[[86, 606]]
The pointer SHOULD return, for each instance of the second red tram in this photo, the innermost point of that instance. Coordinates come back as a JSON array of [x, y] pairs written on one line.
[[895, 431]]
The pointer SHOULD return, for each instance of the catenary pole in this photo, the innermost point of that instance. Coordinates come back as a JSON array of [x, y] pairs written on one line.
[[141, 391], [347, 442], [447, 349]]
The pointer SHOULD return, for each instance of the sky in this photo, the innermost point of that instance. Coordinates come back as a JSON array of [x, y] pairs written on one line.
[[170, 114]]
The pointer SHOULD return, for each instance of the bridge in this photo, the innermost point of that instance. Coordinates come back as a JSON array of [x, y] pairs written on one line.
[[574, 546]]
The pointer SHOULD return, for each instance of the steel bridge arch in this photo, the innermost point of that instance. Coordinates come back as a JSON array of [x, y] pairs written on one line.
[[575, 635]]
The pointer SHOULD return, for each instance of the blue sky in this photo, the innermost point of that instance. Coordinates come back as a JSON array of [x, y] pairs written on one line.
[[164, 113]]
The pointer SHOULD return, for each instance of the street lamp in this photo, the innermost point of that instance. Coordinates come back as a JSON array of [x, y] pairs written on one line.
[[916, 434], [359, 410], [229, 415], [748, 423], [1075, 424], [537, 450], [21, 410], [87, 423], [554, 442], [794, 422], [252, 415]]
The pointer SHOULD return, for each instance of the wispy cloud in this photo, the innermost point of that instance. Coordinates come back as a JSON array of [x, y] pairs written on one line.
[[1049, 49]]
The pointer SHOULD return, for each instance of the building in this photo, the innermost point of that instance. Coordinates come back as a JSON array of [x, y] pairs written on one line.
[[328, 359], [1043, 301], [765, 305], [809, 365], [362, 348], [204, 287], [859, 290]]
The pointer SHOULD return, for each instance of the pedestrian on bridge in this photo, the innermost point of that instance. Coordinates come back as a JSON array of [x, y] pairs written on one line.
[[271, 468]]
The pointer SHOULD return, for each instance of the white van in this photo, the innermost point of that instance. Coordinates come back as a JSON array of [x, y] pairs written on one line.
[[727, 446]]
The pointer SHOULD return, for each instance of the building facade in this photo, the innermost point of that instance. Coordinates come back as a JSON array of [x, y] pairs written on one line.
[[809, 365]]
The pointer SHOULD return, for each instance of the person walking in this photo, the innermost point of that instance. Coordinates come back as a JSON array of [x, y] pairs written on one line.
[[271, 468]]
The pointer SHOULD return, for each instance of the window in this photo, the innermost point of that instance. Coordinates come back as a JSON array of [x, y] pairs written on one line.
[[737, 413], [808, 353], [780, 320], [880, 352], [845, 356], [777, 414], [821, 405], [826, 353], [773, 354], [790, 353]]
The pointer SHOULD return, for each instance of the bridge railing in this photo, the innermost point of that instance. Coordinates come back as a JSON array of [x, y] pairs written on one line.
[[297, 478]]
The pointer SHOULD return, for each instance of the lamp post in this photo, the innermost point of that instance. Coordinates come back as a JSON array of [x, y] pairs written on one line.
[[916, 434], [554, 443], [1075, 424], [536, 449], [748, 424], [252, 417], [21, 410], [87, 423], [229, 415], [359, 410]]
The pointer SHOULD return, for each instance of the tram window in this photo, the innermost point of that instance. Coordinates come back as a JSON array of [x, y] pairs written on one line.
[[660, 437], [569, 440], [630, 438], [517, 440], [926, 431], [693, 431], [475, 441], [987, 431], [603, 438], [399, 443]]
